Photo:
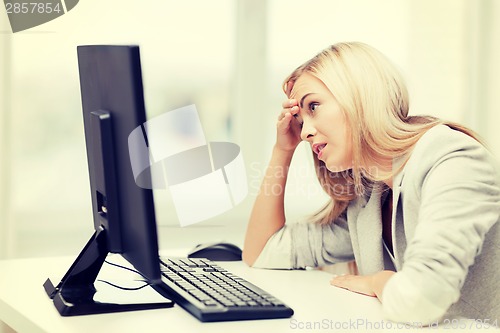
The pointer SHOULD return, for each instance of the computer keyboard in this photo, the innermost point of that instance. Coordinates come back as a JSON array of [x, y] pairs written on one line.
[[211, 293]]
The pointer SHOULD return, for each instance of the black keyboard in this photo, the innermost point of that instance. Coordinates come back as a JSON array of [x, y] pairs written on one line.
[[211, 293]]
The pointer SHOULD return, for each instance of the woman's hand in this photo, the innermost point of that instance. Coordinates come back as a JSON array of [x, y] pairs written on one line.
[[370, 285], [356, 283], [288, 128]]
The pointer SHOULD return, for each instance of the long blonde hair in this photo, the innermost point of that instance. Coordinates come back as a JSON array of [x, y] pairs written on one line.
[[374, 99]]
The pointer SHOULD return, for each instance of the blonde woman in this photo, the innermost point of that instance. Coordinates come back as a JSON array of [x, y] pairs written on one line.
[[415, 200]]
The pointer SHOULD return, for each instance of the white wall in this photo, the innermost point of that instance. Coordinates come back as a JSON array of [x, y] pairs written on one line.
[[5, 60], [490, 79]]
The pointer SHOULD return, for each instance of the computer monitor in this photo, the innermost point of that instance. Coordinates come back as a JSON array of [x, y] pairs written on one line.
[[123, 213]]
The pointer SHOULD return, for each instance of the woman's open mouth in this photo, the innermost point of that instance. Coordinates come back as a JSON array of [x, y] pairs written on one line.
[[318, 148]]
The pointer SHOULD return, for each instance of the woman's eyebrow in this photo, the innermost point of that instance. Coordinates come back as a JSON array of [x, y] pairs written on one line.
[[303, 98]]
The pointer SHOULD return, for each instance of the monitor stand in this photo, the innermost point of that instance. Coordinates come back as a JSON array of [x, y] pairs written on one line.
[[74, 294]]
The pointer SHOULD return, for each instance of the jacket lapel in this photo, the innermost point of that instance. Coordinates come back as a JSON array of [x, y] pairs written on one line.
[[398, 232], [364, 219]]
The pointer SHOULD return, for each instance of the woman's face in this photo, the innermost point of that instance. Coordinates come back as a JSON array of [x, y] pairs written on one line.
[[323, 123]]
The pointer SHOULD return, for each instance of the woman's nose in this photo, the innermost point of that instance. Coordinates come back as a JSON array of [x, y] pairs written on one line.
[[308, 131]]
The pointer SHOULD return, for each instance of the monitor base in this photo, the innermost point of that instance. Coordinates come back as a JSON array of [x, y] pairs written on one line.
[[74, 295]]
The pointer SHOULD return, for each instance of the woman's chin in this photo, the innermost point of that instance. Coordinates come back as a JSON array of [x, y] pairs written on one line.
[[337, 167]]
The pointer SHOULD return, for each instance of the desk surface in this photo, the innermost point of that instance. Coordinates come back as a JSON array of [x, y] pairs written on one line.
[[318, 306]]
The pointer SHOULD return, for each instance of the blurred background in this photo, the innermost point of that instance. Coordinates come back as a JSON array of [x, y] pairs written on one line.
[[228, 57]]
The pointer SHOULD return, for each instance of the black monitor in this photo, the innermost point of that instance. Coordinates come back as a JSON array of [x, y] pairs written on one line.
[[123, 212]]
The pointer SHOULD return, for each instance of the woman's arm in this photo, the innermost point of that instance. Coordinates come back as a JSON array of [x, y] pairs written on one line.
[[268, 214]]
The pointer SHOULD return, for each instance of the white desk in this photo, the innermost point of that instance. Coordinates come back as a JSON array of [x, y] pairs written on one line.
[[26, 308]]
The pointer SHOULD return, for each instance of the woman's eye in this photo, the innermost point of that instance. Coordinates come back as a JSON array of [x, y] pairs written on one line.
[[313, 106]]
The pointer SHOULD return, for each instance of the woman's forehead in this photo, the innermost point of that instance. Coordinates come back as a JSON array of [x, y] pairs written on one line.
[[306, 83]]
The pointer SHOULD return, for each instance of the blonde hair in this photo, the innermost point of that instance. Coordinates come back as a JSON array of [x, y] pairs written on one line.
[[374, 99]]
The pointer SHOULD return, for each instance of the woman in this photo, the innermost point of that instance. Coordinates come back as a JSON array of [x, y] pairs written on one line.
[[415, 200]]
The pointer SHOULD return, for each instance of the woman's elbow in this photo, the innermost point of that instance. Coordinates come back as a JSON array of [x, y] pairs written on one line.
[[415, 315], [248, 258], [404, 302]]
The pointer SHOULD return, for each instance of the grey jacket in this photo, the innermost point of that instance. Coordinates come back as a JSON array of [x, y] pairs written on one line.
[[445, 234]]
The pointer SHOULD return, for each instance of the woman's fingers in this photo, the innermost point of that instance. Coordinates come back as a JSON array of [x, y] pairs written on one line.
[[356, 283], [289, 103], [287, 126], [284, 121], [289, 106]]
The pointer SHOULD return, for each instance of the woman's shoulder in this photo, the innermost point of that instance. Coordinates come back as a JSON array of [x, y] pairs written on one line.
[[443, 137], [442, 143], [441, 140]]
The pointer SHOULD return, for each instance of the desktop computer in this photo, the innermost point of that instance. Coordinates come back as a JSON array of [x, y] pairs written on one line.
[[124, 215]]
